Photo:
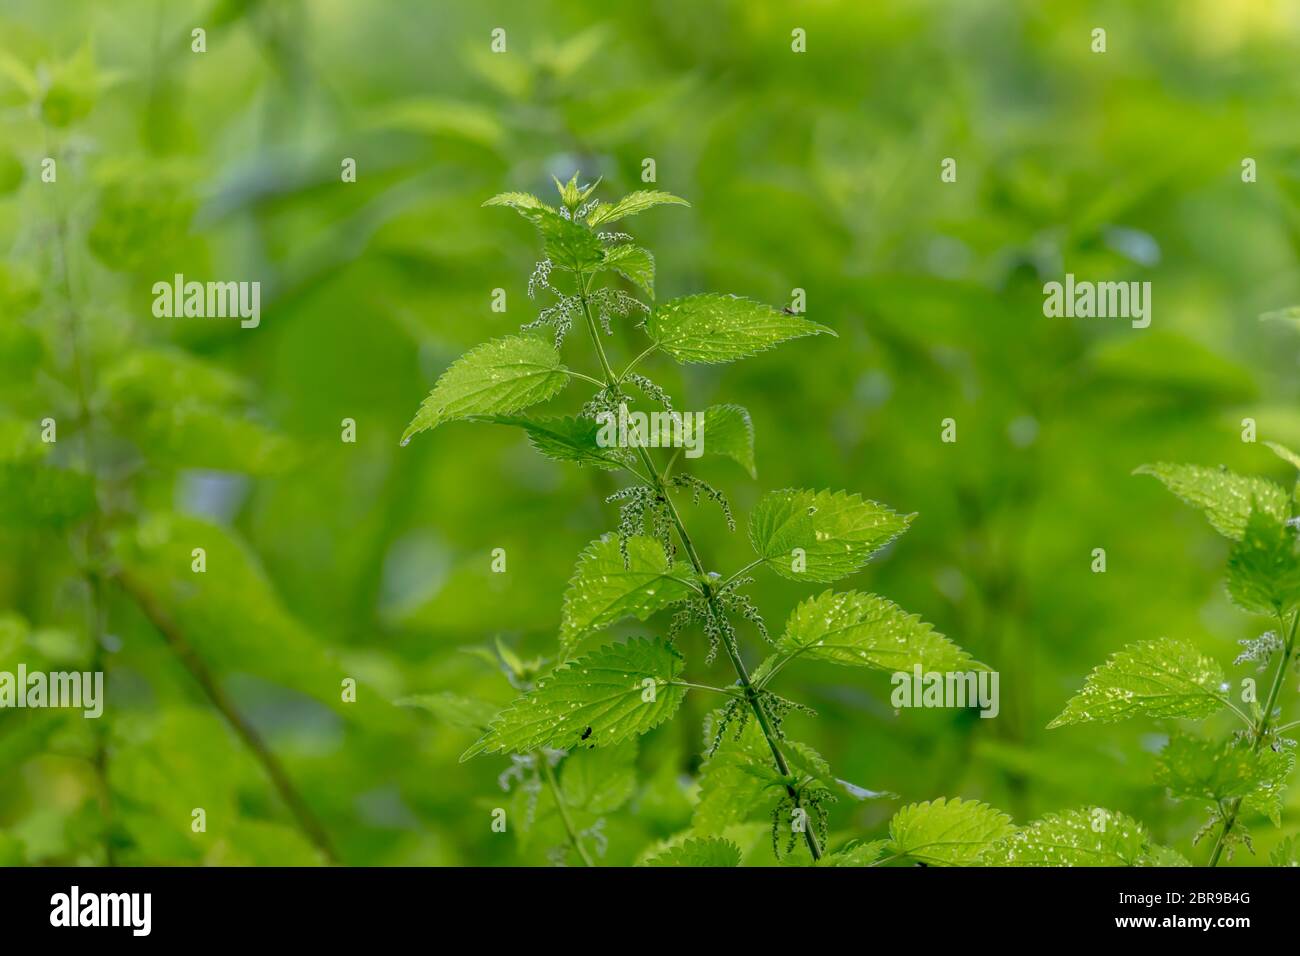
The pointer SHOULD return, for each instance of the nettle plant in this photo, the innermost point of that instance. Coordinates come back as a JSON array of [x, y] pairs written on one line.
[[1245, 774], [581, 700]]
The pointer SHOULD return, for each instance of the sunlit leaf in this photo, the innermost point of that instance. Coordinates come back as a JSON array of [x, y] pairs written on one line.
[[570, 245], [1225, 497], [714, 328], [946, 832], [503, 375], [866, 630], [728, 431], [635, 263], [1218, 771], [1085, 837], [1264, 566], [630, 205], [600, 699], [836, 533], [1161, 678], [711, 851], [602, 591]]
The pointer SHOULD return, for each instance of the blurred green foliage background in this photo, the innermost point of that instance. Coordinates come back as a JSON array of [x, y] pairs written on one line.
[[817, 171]]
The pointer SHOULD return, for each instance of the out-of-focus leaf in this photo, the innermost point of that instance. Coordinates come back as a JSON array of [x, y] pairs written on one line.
[[599, 781], [1286, 454], [432, 116], [455, 709], [33, 495]]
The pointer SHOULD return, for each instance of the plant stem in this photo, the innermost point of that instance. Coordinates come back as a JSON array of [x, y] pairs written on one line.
[[751, 694], [93, 537], [1261, 731], [175, 638], [726, 691], [635, 362], [563, 807]]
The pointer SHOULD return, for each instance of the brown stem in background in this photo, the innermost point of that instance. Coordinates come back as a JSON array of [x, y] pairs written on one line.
[[197, 667]]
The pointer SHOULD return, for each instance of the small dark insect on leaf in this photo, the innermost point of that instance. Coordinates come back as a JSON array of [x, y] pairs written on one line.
[[585, 734], [789, 311]]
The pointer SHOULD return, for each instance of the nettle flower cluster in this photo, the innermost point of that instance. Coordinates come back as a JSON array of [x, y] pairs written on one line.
[[591, 698]]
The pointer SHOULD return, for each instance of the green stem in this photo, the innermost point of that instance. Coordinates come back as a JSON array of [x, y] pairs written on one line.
[[563, 807], [1261, 731], [586, 378], [749, 691], [636, 361], [725, 691]]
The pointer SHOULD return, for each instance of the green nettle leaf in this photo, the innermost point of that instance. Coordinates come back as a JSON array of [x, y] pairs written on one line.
[[1274, 768], [571, 194], [33, 495], [600, 781], [1286, 853], [811, 767], [464, 712], [150, 377], [712, 851], [739, 781], [567, 438], [836, 533], [714, 328], [1226, 498], [1084, 837], [1290, 316], [634, 263], [570, 245], [1215, 771], [866, 630], [1264, 567], [526, 204], [856, 854], [503, 375], [1286, 454], [735, 783], [1161, 678], [947, 832], [597, 700], [729, 431], [1163, 856], [199, 436], [631, 204], [602, 591]]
